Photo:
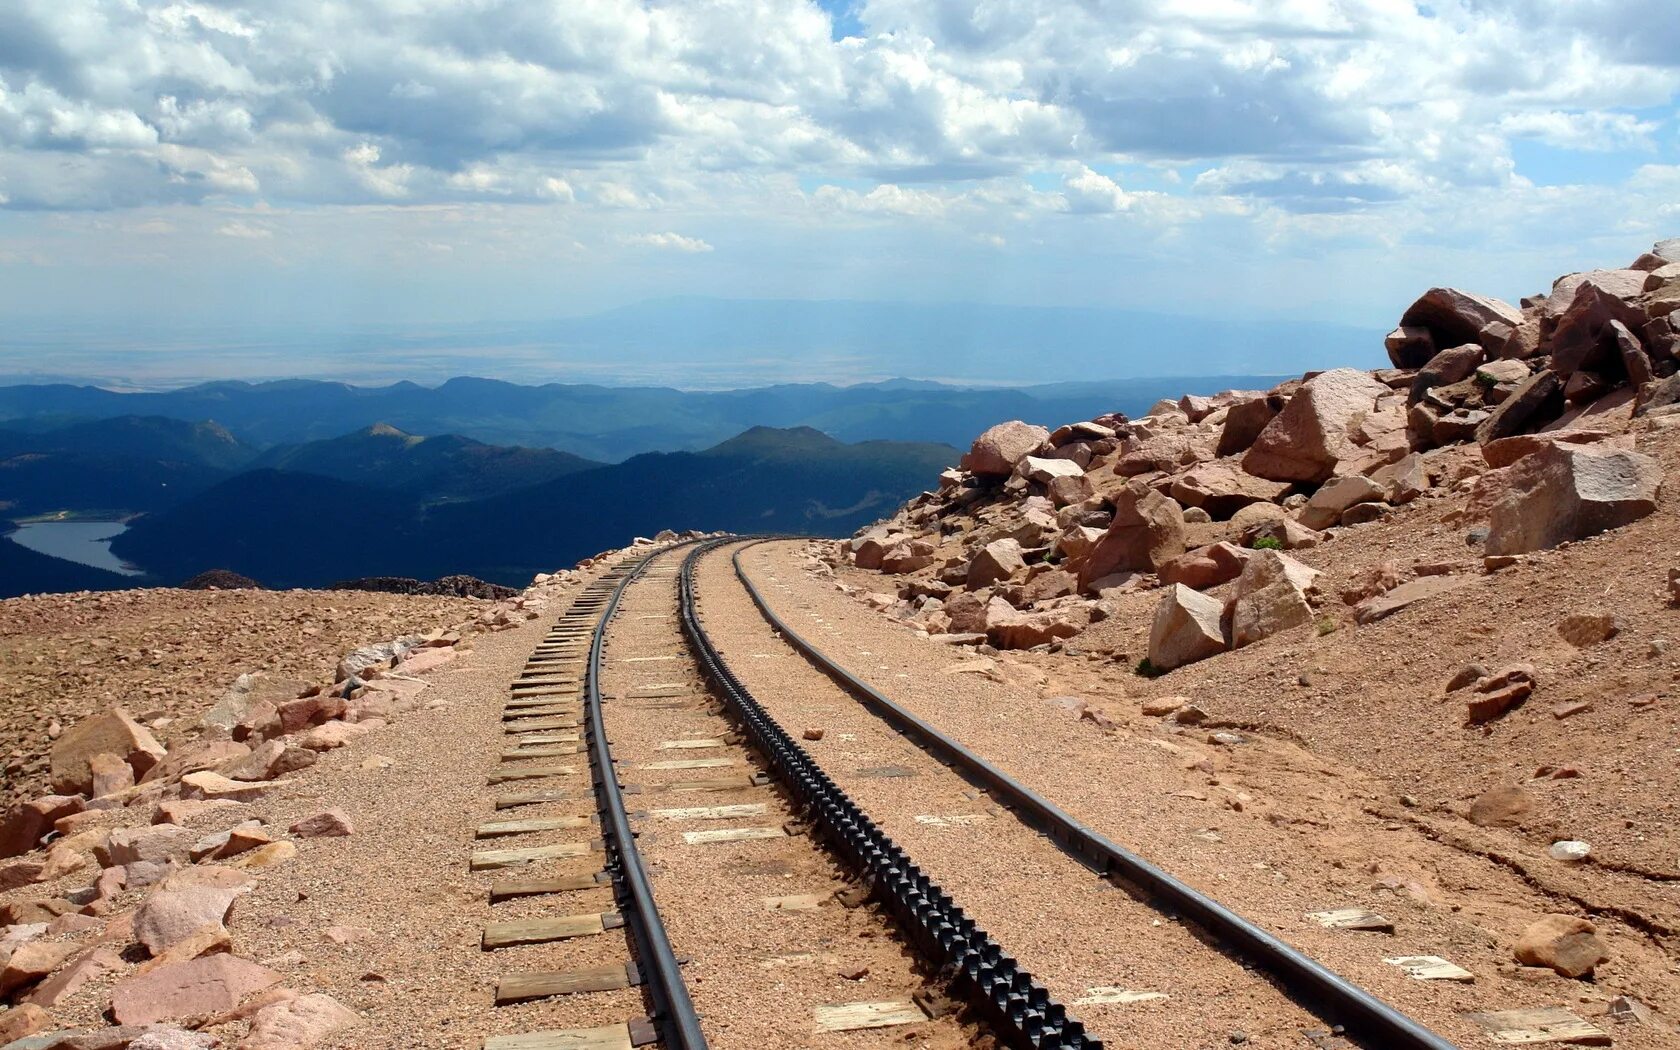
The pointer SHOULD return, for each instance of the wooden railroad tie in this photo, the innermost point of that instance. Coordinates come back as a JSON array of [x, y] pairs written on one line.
[[508, 889], [557, 928], [523, 987], [490, 860], [498, 828], [626, 1036], [502, 776]]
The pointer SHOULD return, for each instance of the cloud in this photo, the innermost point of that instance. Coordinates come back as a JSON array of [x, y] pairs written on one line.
[[1067, 129], [244, 231], [674, 242], [1594, 131]]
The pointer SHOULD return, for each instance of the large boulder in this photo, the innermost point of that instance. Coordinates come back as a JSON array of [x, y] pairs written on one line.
[[297, 1024], [24, 824], [1311, 434], [1450, 366], [1567, 492], [1000, 448], [1186, 628], [1409, 346], [1044, 471], [1207, 566], [1009, 629], [185, 903], [113, 732], [245, 695], [1245, 420], [1222, 488], [1336, 495], [1623, 284], [1146, 533], [1274, 593], [1581, 339], [1536, 400], [997, 560], [1453, 318], [210, 984]]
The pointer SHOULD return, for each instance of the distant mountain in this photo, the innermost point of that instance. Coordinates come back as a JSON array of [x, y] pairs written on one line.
[[295, 530], [280, 529], [121, 464], [434, 469], [23, 571], [608, 424], [200, 443]]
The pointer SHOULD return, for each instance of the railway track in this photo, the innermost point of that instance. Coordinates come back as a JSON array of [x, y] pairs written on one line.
[[799, 921], [694, 849]]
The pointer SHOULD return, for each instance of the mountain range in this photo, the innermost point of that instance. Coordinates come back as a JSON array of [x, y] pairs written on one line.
[[303, 483], [606, 424], [303, 530]]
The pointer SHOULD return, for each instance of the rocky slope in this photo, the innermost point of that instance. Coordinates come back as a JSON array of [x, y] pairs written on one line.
[[1457, 574], [163, 749]]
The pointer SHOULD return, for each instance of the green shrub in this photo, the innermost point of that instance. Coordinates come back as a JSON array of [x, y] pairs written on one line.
[[1145, 669], [1486, 378], [1326, 625], [1268, 543]]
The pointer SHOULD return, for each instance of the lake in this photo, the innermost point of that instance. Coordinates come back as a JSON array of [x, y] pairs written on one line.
[[83, 542]]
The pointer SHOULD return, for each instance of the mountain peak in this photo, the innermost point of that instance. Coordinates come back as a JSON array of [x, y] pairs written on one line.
[[763, 440]]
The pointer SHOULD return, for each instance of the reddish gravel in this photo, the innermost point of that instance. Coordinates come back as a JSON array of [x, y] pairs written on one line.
[[1266, 826]]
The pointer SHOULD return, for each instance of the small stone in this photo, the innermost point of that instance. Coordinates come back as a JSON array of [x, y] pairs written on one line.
[[1579, 707], [813, 734], [332, 823], [1467, 676], [1586, 630], [1161, 706], [1569, 851], [1567, 944]]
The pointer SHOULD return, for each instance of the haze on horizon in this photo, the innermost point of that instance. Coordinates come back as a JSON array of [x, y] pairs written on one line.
[[383, 189]]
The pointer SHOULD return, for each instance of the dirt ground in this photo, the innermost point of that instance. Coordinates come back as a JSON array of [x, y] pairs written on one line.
[[168, 655], [1355, 775]]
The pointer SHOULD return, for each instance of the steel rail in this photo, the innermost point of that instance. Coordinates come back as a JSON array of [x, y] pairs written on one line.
[[1317, 988], [673, 1010], [1018, 1007]]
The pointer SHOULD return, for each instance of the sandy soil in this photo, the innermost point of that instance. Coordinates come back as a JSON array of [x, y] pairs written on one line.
[[1280, 824]]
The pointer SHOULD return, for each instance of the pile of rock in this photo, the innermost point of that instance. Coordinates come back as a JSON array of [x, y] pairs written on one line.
[[1527, 409], [160, 891]]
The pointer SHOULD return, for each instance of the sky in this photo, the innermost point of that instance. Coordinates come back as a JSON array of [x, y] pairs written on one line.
[[170, 169]]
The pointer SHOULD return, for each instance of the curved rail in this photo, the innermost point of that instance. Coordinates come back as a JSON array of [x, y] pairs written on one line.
[[1017, 1006], [1317, 988], [673, 1011]]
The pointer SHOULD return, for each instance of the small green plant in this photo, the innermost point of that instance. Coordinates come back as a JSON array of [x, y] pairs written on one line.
[[1268, 543], [1145, 669], [1486, 378], [1326, 625]]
